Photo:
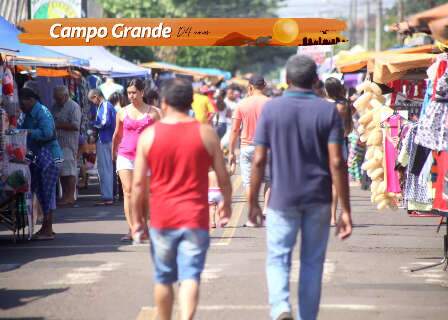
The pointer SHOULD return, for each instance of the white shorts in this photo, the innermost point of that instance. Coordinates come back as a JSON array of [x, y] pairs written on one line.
[[215, 196], [69, 165], [124, 163]]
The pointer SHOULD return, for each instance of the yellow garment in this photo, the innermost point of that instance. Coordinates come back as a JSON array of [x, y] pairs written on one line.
[[418, 206], [201, 107]]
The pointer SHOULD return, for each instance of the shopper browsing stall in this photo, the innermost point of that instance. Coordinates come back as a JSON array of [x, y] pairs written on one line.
[[67, 117], [105, 123], [42, 142]]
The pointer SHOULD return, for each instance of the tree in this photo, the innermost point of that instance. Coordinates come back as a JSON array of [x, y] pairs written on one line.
[[207, 57]]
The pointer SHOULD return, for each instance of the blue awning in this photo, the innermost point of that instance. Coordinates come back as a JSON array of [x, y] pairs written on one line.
[[31, 54], [213, 72], [102, 60]]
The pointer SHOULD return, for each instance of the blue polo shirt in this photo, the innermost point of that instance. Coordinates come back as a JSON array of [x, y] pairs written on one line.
[[41, 130], [297, 127], [105, 121]]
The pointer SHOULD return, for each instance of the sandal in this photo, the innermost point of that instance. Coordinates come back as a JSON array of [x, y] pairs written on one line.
[[42, 237], [103, 203], [126, 238]]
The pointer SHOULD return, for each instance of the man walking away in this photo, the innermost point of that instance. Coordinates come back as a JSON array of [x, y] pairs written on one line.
[[202, 107], [304, 134], [105, 123], [67, 118], [178, 151], [245, 120]]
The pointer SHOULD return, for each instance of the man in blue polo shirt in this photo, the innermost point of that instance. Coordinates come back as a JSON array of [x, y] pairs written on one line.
[[105, 123], [304, 134]]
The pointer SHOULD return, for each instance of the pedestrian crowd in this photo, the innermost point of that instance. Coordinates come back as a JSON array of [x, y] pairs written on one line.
[[169, 154]]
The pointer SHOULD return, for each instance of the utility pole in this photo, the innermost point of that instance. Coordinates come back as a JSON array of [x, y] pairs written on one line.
[[378, 25], [366, 25], [400, 16], [355, 21], [350, 24]]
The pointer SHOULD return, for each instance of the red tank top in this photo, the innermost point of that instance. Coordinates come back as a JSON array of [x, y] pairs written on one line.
[[179, 166]]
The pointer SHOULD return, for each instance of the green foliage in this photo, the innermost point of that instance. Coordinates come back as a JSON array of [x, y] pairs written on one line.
[[207, 57]]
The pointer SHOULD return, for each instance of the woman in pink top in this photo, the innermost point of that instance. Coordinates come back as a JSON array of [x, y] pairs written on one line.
[[131, 121]]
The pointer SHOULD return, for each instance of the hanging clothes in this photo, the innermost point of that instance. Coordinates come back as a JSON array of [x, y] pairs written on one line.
[[433, 125], [391, 140], [415, 193], [356, 156], [442, 165]]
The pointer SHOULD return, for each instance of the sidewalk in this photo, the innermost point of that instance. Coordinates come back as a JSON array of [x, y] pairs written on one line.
[[86, 273]]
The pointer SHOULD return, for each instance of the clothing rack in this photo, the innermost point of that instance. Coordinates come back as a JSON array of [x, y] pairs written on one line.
[[444, 261]]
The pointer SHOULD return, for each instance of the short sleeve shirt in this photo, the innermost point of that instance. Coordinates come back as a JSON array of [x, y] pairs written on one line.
[[202, 107], [248, 111], [70, 113], [297, 128]]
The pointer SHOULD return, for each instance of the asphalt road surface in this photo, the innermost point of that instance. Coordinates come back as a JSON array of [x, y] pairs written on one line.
[[86, 273]]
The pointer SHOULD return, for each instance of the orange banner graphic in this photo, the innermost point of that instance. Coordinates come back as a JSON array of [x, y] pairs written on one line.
[[184, 32]]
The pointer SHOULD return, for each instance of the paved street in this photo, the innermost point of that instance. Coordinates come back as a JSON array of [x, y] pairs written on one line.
[[86, 273]]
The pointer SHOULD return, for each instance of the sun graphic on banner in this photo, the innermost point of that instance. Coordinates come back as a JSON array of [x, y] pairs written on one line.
[[285, 30]]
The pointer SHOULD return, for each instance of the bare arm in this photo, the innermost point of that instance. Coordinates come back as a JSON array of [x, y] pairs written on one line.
[[140, 181], [338, 169], [118, 134], [234, 134], [256, 179], [211, 142], [154, 113]]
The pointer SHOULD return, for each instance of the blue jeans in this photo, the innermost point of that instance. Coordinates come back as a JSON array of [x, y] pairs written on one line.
[[178, 254], [105, 170], [282, 228], [221, 129]]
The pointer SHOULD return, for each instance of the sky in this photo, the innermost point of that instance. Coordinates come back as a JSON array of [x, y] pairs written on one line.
[[324, 8]]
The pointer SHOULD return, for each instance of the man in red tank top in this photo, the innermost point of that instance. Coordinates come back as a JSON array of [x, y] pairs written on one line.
[[178, 151]]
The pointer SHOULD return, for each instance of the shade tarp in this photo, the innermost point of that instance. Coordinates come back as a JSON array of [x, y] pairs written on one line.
[[30, 54], [164, 66], [358, 61], [226, 75], [389, 67], [198, 73], [103, 61]]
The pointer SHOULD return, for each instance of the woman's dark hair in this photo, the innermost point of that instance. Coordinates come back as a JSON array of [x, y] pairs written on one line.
[[117, 97], [138, 83], [220, 103], [335, 90], [150, 96], [27, 93], [178, 93]]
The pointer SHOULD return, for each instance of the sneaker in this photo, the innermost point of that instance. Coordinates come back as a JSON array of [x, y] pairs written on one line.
[[285, 316]]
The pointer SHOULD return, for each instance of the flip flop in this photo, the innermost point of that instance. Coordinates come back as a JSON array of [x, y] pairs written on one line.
[[126, 238], [103, 203], [42, 237]]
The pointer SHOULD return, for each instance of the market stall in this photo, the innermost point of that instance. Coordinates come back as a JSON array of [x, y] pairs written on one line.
[[162, 70], [19, 63], [403, 109]]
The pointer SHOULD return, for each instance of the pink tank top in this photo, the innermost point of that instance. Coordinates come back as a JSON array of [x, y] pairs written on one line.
[[131, 132]]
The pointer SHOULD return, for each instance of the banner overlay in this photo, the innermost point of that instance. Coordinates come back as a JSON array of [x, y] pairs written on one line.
[[184, 32]]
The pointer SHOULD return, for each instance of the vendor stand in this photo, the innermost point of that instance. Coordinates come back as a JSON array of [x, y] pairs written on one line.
[[403, 107]]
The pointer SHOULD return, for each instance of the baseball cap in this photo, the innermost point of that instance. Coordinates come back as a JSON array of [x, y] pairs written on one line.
[[257, 80]]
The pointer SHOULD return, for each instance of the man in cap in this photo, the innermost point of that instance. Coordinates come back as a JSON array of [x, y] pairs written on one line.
[[245, 120]]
